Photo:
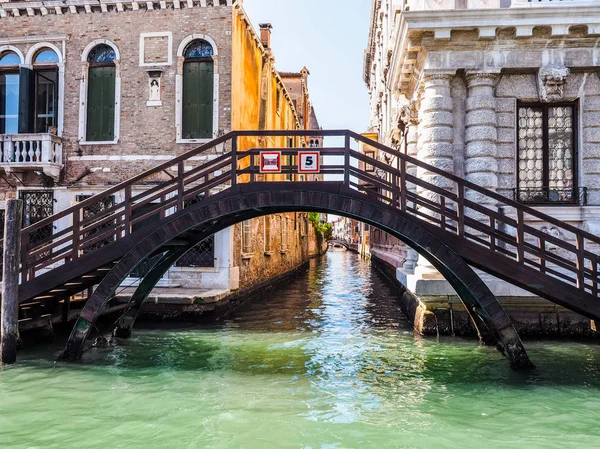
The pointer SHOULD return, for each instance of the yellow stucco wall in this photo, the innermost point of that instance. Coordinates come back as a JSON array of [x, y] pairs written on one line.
[[256, 86]]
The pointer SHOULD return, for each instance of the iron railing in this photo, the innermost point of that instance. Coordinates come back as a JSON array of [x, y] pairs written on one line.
[[550, 196], [460, 208]]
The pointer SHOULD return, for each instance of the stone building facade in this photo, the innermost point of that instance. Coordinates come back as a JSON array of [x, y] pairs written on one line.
[[95, 92], [504, 94]]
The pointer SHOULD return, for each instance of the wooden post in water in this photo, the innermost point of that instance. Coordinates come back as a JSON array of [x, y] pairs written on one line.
[[10, 281]]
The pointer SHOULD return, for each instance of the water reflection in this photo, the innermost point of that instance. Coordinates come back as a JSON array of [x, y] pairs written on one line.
[[326, 361]]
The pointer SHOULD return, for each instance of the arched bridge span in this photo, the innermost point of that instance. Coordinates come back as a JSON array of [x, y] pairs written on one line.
[[220, 183], [338, 242]]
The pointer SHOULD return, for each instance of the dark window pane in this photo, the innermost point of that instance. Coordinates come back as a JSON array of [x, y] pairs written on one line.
[[101, 104], [46, 88]]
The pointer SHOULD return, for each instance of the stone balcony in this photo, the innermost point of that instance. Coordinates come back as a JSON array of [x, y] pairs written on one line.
[[31, 152]]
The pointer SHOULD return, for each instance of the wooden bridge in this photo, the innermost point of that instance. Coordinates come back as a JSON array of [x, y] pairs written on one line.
[[334, 242], [164, 212]]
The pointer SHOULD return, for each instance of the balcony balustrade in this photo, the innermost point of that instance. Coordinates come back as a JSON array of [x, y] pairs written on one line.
[[31, 152]]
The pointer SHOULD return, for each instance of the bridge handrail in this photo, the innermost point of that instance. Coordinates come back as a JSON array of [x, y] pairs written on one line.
[[84, 235], [122, 185], [489, 193]]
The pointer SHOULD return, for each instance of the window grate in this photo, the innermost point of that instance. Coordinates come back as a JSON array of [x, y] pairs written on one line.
[[37, 205], [546, 165], [200, 256], [97, 208], [203, 254]]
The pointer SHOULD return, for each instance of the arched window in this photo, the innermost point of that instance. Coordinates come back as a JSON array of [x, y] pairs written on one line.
[[100, 117], [9, 58], [45, 99], [9, 92], [198, 90]]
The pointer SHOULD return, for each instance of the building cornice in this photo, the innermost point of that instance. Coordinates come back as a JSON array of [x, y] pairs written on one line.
[[487, 22], [57, 7]]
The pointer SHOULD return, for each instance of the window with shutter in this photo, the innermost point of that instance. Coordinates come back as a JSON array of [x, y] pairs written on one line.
[[101, 104], [198, 91], [100, 123]]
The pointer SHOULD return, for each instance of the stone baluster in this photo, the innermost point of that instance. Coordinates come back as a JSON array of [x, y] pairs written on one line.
[[46, 148], [6, 149], [481, 164]]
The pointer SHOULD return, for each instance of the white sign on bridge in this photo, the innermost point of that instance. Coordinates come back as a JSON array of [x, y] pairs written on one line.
[[309, 162]]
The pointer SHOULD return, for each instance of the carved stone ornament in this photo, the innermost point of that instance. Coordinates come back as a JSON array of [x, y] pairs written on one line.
[[409, 113], [551, 82]]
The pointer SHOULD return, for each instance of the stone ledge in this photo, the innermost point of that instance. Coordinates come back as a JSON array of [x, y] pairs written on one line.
[[53, 7]]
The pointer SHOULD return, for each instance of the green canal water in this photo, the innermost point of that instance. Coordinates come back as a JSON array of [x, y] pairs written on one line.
[[325, 362]]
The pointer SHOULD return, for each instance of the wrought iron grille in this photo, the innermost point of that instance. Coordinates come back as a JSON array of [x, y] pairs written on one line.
[[552, 196], [100, 206], [546, 151], [203, 254], [37, 205], [560, 148], [200, 256]]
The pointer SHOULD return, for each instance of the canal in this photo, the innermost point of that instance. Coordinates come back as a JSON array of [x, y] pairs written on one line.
[[325, 362]]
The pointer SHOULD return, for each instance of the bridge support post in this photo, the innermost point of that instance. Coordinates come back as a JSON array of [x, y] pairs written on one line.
[[147, 284], [10, 281]]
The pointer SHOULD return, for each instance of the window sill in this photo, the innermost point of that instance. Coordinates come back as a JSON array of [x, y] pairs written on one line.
[[247, 256], [283, 251], [154, 103], [269, 253], [99, 142], [205, 140]]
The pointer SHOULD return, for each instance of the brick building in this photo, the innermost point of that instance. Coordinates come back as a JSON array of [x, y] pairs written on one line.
[[94, 92], [505, 94]]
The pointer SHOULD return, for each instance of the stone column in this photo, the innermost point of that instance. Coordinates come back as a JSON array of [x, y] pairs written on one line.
[[481, 164], [436, 145], [411, 120]]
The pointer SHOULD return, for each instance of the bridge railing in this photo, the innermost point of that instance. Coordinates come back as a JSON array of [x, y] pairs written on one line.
[[450, 203]]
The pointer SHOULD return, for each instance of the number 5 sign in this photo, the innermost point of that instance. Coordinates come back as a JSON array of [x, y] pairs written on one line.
[[309, 162]]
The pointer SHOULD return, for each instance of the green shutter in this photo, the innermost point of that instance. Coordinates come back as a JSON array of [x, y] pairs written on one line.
[[198, 96], [26, 101], [101, 104]]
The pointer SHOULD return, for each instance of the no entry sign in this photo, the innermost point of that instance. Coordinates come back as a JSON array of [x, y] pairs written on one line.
[[308, 162], [270, 161]]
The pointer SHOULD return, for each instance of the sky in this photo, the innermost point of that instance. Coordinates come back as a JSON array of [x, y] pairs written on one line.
[[329, 38]]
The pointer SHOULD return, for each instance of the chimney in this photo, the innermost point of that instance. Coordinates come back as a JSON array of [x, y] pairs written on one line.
[[265, 34]]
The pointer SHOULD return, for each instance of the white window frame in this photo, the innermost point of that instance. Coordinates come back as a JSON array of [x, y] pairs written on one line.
[[247, 234], [179, 89], [33, 50], [83, 86]]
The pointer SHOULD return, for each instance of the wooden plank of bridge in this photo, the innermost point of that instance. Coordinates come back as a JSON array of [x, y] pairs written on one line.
[[10, 281]]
